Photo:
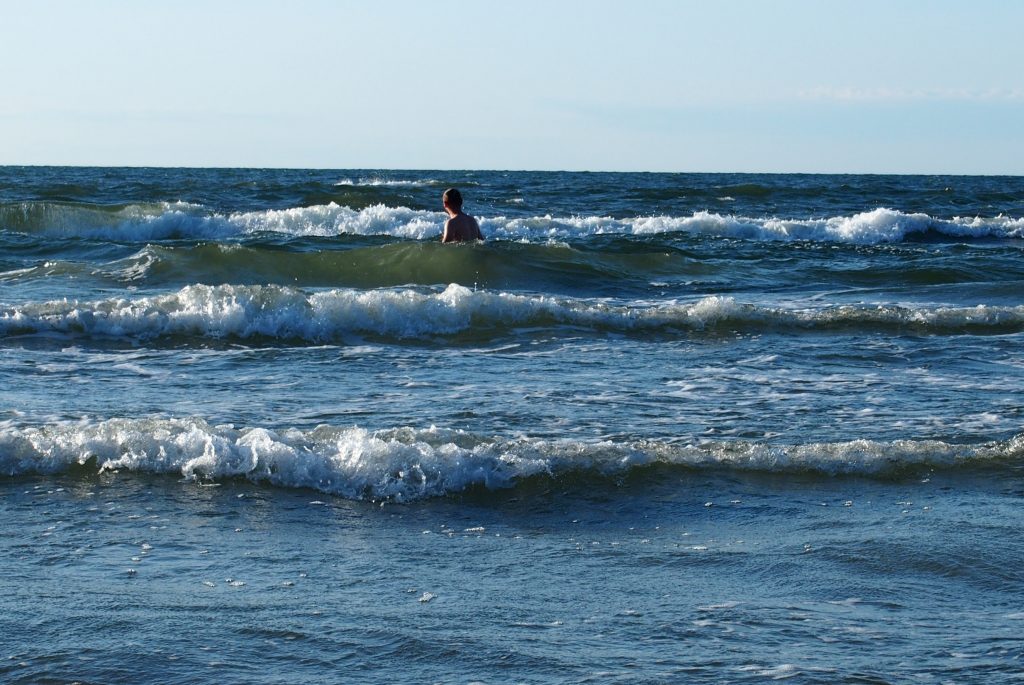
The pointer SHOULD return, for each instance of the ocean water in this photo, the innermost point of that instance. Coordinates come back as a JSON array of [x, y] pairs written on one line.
[[259, 426]]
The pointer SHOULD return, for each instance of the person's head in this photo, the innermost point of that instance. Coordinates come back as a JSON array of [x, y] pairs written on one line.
[[452, 198]]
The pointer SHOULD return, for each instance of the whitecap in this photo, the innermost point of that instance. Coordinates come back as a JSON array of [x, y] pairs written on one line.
[[405, 464], [403, 313], [182, 220]]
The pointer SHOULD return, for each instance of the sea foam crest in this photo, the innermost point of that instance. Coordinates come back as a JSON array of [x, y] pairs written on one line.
[[181, 220], [406, 464], [282, 312], [332, 219], [132, 223], [290, 313], [375, 181], [866, 228]]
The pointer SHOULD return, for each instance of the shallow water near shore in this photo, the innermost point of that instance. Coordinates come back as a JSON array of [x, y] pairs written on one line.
[[259, 426], [664, 576]]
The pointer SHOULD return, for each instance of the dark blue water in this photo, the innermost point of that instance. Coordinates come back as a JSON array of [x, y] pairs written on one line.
[[260, 426]]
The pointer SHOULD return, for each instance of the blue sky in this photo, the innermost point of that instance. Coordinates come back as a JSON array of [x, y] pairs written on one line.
[[646, 85]]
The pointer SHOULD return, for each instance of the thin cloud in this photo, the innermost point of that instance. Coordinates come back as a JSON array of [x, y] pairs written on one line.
[[883, 95]]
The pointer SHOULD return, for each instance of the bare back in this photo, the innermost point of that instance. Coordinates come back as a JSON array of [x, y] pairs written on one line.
[[461, 227]]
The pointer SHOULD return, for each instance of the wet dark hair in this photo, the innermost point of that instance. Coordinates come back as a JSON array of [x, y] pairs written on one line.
[[453, 197]]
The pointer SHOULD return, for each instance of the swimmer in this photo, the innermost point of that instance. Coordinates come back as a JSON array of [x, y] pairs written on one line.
[[459, 227]]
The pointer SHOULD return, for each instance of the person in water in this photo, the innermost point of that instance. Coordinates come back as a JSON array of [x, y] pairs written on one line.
[[459, 227]]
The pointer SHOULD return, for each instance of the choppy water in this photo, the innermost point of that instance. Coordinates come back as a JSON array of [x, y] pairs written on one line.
[[260, 426]]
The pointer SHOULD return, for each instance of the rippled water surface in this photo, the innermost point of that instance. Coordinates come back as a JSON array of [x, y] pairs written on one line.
[[259, 426]]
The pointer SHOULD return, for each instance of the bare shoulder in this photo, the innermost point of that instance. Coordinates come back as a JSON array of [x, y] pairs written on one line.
[[461, 227], [473, 228]]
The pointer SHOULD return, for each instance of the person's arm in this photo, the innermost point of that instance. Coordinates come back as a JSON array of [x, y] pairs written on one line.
[[444, 233]]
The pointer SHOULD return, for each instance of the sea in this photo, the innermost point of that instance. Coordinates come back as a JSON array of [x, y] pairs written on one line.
[[259, 426]]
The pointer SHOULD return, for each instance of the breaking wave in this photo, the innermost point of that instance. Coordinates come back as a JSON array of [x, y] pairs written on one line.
[[231, 311], [407, 464], [375, 181], [180, 220]]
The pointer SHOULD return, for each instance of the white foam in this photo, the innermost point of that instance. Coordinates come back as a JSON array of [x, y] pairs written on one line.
[[333, 220], [142, 223], [181, 220], [406, 464], [387, 182], [318, 316], [867, 228]]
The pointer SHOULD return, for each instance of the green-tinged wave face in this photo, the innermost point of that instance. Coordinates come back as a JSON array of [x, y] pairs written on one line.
[[556, 267], [632, 267]]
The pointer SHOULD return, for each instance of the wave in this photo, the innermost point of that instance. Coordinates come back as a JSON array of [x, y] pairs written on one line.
[[867, 228], [283, 313], [180, 220], [407, 464], [375, 181], [549, 268]]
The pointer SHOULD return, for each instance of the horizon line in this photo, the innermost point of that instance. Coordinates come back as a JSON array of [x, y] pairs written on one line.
[[213, 167]]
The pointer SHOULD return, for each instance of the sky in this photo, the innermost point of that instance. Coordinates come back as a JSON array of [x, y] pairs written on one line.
[[858, 86]]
